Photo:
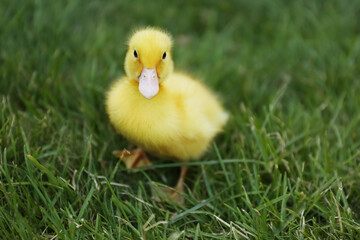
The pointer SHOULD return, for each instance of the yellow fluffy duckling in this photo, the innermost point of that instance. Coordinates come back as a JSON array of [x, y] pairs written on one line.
[[163, 112]]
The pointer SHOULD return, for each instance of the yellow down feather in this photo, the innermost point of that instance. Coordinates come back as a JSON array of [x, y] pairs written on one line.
[[181, 120]]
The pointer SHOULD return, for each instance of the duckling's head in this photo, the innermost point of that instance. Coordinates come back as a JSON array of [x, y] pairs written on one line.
[[148, 59]]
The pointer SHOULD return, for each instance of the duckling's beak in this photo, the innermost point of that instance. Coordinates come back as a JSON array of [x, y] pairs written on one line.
[[149, 83]]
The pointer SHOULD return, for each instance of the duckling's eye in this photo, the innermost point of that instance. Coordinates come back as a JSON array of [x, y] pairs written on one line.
[[164, 55], [135, 53]]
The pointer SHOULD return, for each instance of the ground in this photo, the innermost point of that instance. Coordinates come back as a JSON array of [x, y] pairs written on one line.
[[287, 166]]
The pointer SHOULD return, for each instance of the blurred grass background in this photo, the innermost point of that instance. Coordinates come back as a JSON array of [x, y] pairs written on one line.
[[288, 72]]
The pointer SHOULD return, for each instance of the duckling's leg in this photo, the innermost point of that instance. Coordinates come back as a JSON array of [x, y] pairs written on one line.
[[133, 158], [176, 193]]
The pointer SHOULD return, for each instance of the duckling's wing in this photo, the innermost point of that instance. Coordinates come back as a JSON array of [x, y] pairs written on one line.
[[202, 112]]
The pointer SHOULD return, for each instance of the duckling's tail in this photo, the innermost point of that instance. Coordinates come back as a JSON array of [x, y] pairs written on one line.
[[224, 117]]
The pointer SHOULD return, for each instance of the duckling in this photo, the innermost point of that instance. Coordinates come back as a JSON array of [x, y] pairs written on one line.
[[163, 112]]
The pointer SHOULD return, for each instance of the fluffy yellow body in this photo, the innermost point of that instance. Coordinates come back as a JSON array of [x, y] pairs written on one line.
[[180, 121]]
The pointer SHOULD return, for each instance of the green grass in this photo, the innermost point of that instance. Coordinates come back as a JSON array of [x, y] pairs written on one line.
[[286, 167]]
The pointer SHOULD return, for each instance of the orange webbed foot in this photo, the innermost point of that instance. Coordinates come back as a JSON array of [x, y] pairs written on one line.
[[133, 158], [175, 194]]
